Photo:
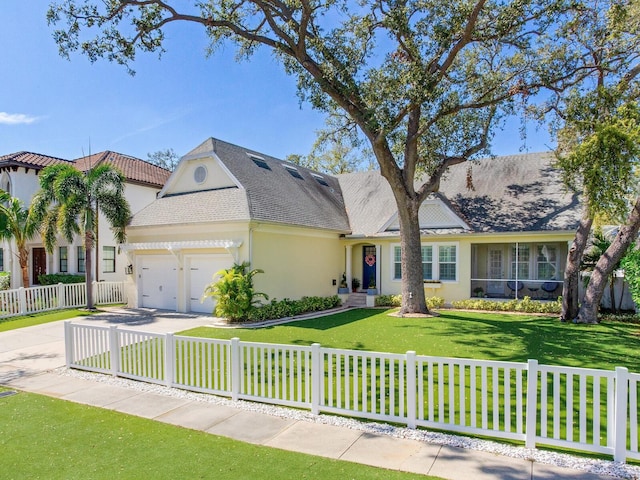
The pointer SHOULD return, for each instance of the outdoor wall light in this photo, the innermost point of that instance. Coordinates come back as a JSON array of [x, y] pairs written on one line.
[[128, 270]]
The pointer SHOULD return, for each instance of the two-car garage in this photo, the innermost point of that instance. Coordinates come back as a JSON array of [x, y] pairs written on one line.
[[176, 281]]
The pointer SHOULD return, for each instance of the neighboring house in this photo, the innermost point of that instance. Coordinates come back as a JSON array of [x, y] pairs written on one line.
[[502, 227], [19, 177]]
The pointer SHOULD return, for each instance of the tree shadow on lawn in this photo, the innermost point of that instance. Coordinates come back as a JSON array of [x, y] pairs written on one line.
[[547, 340]]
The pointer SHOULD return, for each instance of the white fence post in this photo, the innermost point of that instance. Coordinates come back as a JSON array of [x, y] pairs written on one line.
[[115, 350], [68, 343], [621, 401], [94, 292], [317, 376], [22, 295], [532, 404], [235, 368], [169, 359], [411, 389], [61, 302]]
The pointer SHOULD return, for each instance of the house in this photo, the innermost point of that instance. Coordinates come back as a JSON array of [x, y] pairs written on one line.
[[501, 229], [19, 177]]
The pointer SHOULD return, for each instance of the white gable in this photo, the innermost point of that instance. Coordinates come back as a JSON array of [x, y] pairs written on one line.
[[198, 173], [434, 213]]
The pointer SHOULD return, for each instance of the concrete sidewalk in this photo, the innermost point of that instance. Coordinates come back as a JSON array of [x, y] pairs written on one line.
[[28, 355]]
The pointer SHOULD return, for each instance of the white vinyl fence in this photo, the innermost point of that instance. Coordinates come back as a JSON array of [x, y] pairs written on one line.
[[23, 301], [583, 409]]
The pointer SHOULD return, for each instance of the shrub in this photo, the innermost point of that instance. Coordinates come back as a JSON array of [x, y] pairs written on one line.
[[55, 278], [525, 305], [290, 308], [396, 301], [5, 280], [234, 292]]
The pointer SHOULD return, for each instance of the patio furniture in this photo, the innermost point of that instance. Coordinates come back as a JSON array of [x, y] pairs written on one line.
[[515, 286], [549, 288], [533, 288]]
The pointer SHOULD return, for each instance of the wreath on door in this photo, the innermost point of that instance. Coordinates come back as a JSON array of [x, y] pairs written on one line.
[[370, 260]]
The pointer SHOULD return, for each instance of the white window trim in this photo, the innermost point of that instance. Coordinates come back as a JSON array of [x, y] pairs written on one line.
[[435, 263]]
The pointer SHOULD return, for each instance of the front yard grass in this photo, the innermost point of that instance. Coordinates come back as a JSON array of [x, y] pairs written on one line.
[[489, 336], [42, 437]]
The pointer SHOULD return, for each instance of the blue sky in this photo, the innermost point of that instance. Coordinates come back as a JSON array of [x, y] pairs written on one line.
[[65, 108]]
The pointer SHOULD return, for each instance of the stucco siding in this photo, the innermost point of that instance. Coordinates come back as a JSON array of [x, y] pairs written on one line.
[[296, 262]]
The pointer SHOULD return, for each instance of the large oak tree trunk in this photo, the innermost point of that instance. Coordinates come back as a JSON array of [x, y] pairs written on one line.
[[413, 300], [572, 271], [604, 267]]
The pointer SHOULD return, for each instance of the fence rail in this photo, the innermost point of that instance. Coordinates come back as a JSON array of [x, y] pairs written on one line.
[[582, 409], [24, 301]]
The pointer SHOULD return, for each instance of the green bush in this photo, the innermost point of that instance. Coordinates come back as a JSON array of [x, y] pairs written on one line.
[[5, 280], [55, 278], [234, 292], [290, 308], [396, 301], [525, 305]]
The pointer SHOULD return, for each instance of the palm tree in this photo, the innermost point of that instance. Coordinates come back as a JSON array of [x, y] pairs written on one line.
[[69, 202], [20, 224]]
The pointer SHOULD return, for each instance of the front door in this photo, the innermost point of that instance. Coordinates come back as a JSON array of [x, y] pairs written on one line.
[[368, 266], [38, 264]]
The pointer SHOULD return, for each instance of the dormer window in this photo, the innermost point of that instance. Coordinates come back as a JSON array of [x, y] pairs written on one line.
[[259, 162], [293, 172], [320, 179]]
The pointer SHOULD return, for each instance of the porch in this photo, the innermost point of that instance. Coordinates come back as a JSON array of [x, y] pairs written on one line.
[[516, 270]]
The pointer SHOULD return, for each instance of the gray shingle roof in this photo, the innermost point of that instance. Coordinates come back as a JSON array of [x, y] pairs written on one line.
[[198, 207], [273, 195], [512, 193], [515, 193]]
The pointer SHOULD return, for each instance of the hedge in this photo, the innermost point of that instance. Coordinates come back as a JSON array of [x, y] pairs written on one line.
[[290, 308], [55, 278]]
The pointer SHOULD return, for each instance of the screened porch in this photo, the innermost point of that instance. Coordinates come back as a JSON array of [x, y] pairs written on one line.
[[516, 270]]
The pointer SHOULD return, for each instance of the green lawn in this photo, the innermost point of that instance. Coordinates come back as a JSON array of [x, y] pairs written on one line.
[[42, 437], [491, 336], [39, 318]]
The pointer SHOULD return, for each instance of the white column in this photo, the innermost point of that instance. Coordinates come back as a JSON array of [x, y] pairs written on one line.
[[378, 268], [348, 249]]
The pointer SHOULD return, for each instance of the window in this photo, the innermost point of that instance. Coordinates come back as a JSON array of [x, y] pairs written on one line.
[[436, 259], [1, 260], [81, 260], [260, 162], [427, 262], [63, 256], [547, 262], [520, 255], [294, 172], [397, 259], [447, 262], [320, 179], [108, 259]]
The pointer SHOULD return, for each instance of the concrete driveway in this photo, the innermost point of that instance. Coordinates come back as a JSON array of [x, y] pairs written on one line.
[[33, 350]]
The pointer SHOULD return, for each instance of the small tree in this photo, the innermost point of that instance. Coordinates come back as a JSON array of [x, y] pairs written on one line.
[[631, 265], [69, 202], [20, 224], [234, 292], [164, 158]]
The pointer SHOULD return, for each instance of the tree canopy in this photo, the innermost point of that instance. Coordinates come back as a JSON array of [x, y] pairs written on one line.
[[425, 82]]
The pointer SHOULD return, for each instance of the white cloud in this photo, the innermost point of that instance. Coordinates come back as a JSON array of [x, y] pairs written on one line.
[[16, 118]]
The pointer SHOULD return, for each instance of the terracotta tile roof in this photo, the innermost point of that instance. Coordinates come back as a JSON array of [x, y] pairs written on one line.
[[134, 169], [30, 160]]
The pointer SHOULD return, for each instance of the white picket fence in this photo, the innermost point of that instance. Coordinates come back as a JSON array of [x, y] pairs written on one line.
[[23, 301], [582, 409]]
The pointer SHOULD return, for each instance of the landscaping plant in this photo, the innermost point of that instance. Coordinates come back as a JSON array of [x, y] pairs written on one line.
[[234, 293]]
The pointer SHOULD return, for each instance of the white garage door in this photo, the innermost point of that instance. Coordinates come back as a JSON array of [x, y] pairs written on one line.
[[158, 281], [201, 269]]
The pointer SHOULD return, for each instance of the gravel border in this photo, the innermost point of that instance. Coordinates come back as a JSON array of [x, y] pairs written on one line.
[[594, 466]]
